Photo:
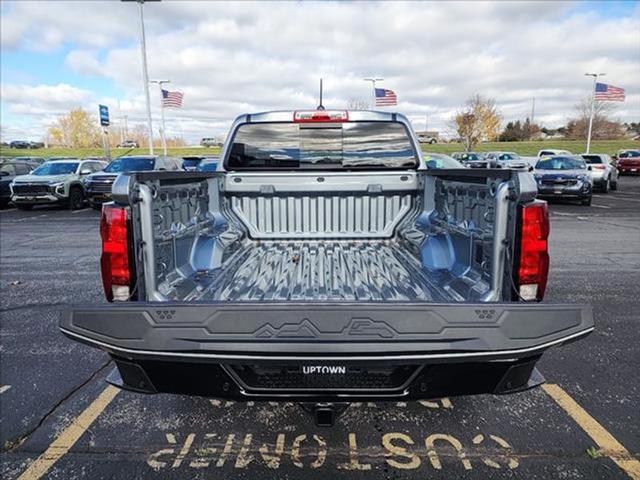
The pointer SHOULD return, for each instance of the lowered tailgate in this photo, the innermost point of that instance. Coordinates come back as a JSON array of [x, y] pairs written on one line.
[[307, 330], [326, 352]]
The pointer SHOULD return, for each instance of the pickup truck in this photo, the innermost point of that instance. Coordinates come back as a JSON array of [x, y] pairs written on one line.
[[324, 263]]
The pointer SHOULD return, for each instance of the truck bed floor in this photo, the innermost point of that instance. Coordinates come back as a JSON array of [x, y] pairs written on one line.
[[318, 270]]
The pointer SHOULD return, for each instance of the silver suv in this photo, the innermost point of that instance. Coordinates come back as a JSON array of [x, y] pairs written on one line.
[[506, 160], [603, 173], [58, 181]]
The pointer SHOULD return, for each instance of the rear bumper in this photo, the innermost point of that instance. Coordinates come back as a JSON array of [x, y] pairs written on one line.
[[635, 169], [377, 351], [561, 192]]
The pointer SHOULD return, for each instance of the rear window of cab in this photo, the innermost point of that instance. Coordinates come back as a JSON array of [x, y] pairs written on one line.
[[312, 146]]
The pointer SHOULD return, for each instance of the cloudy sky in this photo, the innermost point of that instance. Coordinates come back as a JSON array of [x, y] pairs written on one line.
[[230, 58]]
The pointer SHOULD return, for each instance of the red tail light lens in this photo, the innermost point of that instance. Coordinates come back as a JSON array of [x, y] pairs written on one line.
[[533, 265], [598, 167], [114, 262], [320, 116]]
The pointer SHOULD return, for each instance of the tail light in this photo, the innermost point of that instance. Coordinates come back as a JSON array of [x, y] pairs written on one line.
[[598, 167], [114, 262], [320, 116], [533, 259]]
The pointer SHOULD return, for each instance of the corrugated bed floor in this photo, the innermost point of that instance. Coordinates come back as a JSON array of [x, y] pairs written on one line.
[[319, 270]]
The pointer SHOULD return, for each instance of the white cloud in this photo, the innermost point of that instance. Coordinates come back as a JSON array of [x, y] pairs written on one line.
[[229, 58], [48, 98]]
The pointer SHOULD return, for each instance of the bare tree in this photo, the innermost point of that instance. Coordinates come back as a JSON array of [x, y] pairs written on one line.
[[604, 127], [478, 120]]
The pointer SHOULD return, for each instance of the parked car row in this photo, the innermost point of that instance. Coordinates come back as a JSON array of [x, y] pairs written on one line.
[[560, 173], [70, 181], [29, 181]]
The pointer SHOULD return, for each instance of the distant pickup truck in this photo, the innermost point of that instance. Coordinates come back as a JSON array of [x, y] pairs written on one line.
[[427, 137], [324, 263], [209, 142]]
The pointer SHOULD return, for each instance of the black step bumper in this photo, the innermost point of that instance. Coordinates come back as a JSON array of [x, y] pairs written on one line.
[[377, 350]]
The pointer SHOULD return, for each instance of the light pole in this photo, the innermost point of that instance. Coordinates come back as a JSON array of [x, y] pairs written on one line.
[[163, 136], [373, 88], [145, 75], [593, 101]]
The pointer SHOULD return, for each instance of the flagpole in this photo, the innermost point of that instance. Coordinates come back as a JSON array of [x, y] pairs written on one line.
[[373, 89], [593, 101], [163, 137], [145, 76]]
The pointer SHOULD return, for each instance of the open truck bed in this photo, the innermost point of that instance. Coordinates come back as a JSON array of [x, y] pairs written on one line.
[[360, 236]]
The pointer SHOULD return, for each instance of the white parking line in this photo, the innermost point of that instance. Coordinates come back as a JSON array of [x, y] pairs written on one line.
[[600, 206], [4, 388], [626, 199], [78, 211], [8, 210], [31, 218]]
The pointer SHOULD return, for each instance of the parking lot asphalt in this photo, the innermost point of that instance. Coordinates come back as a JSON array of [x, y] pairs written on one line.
[[59, 419]]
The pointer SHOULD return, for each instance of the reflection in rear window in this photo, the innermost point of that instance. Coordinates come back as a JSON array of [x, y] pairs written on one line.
[[630, 154], [323, 145]]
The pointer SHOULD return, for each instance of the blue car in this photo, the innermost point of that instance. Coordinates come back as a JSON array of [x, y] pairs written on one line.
[[563, 177]]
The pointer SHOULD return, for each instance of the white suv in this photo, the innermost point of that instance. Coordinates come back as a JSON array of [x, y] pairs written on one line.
[[57, 181], [603, 173]]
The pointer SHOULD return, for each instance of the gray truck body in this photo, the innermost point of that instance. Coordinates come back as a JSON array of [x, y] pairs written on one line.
[[242, 272]]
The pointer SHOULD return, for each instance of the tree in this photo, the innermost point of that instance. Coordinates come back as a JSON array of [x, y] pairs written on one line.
[[530, 130], [516, 131], [76, 129], [633, 128], [139, 134], [478, 120], [512, 132], [604, 128]]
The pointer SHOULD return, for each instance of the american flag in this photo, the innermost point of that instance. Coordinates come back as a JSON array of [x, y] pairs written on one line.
[[609, 93], [172, 99], [385, 97]]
